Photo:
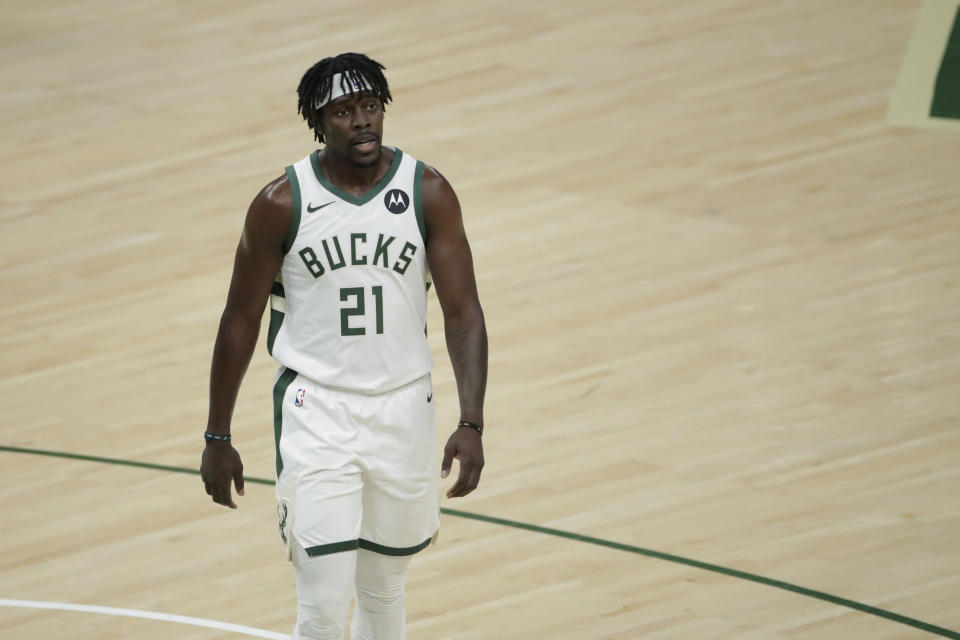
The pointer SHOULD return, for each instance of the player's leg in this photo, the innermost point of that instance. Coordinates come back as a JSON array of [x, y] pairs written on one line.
[[379, 611], [400, 504], [324, 590], [320, 491], [325, 531]]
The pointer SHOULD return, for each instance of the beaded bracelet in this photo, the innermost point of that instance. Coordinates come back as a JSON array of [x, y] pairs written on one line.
[[216, 437], [472, 425]]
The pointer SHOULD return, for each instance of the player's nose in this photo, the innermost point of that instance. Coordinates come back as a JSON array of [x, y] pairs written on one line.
[[361, 119]]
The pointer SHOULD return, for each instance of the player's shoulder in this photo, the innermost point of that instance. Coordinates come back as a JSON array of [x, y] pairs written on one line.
[[441, 207], [432, 174], [271, 211], [276, 193], [436, 187]]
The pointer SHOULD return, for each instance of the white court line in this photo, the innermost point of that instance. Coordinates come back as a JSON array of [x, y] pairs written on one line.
[[150, 615]]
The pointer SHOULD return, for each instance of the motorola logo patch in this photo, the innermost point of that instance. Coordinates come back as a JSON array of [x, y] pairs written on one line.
[[396, 201]]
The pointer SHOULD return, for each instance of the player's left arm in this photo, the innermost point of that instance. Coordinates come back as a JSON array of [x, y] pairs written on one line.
[[451, 264]]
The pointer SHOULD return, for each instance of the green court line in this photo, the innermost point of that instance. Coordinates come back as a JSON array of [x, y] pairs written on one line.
[[126, 463], [659, 555]]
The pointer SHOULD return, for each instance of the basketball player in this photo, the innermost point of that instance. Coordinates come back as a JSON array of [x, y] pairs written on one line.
[[342, 245]]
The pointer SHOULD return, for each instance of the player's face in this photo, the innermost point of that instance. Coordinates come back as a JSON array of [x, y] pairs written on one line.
[[353, 128]]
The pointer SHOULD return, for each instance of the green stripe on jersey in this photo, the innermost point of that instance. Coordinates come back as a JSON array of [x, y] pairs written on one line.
[[418, 200], [276, 321], [279, 391], [295, 218], [946, 93], [277, 313]]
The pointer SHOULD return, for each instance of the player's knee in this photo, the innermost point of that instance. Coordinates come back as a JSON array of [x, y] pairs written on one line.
[[322, 612], [379, 615], [381, 592], [319, 622], [380, 600]]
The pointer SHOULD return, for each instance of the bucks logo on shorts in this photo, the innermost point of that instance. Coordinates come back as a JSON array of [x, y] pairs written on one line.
[[282, 515]]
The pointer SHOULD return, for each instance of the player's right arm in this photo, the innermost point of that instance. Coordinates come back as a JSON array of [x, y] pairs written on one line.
[[257, 261]]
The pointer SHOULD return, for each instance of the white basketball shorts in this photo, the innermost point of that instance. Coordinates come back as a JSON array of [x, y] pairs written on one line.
[[356, 471]]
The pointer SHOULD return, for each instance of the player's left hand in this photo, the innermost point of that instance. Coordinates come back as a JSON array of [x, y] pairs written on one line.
[[466, 446]]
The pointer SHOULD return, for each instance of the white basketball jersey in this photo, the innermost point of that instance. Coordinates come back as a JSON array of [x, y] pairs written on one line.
[[349, 307]]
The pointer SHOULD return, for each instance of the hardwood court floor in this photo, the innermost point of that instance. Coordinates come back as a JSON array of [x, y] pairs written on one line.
[[721, 292]]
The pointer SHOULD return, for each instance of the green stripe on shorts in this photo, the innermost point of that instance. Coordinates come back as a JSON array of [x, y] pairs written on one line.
[[394, 551], [279, 390], [336, 547]]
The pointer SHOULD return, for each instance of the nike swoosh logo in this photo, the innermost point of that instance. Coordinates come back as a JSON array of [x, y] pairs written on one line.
[[311, 208], [429, 397]]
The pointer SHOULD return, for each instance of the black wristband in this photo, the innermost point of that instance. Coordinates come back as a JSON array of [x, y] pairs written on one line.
[[216, 437], [473, 425]]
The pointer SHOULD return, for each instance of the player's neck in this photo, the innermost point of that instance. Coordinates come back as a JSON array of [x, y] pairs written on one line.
[[351, 177]]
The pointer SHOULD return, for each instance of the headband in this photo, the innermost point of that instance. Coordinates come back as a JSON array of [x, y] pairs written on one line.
[[354, 81]]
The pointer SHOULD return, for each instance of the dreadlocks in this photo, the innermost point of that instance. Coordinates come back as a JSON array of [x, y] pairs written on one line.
[[315, 84]]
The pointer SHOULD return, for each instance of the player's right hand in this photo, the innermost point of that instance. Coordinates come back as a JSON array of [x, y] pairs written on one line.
[[463, 445], [219, 466]]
